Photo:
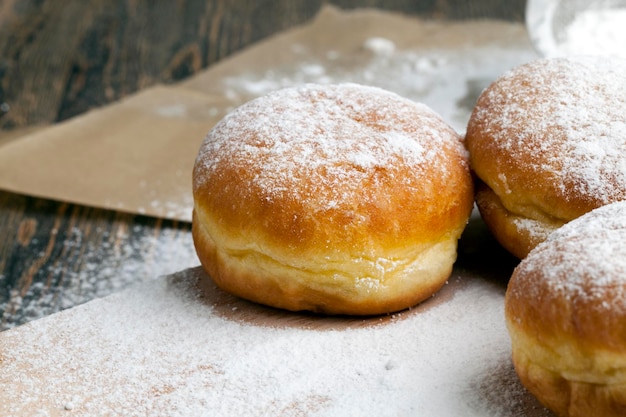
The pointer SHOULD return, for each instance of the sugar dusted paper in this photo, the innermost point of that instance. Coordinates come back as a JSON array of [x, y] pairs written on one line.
[[178, 346]]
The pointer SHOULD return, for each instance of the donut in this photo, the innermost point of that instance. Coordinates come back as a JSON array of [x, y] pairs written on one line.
[[337, 199], [565, 309], [547, 143]]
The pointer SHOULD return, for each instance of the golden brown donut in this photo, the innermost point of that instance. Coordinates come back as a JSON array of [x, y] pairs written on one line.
[[342, 199], [565, 309], [547, 141]]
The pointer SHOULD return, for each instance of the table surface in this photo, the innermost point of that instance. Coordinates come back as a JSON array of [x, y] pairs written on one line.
[[60, 58]]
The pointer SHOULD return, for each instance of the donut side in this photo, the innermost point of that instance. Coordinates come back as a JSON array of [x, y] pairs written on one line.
[[517, 233], [350, 287], [548, 138], [565, 310], [338, 199]]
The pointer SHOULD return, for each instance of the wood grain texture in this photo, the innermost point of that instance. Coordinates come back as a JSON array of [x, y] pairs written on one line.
[[55, 255]]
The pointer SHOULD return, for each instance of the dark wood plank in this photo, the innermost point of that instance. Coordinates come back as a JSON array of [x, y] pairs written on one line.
[[55, 255]]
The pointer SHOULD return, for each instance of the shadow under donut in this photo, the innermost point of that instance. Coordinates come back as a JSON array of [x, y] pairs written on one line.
[[480, 256], [231, 307]]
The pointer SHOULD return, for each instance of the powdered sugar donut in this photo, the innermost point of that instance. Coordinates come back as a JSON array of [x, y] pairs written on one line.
[[339, 199], [547, 141], [565, 310]]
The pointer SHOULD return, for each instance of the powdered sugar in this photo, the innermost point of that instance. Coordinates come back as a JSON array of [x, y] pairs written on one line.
[[446, 80], [563, 118], [537, 230], [561, 28], [380, 46], [596, 31], [585, 260], [337, 134], [107, 264], [162, 351]]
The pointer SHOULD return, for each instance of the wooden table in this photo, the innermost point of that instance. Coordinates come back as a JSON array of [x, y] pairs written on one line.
[[60, 58]]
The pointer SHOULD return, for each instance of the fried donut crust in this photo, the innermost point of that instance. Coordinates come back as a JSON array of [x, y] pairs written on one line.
[[340, 199]]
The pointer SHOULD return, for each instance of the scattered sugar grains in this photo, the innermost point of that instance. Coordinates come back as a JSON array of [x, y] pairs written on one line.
[[591, 270], [594, 32], [105, 266], [176, 207], [442, 361], [446, 80]]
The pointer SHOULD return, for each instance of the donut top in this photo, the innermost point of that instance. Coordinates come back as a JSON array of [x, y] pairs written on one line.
[[343, 150], [560, 122], [579, 274], [336, 134]]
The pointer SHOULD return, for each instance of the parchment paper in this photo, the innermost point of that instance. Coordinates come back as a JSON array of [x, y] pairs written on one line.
[[136, 155]]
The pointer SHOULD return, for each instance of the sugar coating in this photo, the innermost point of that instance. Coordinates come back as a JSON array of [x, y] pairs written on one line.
[[583, 260], [596, 31], [323, 136], [563, 119], [534, 228]]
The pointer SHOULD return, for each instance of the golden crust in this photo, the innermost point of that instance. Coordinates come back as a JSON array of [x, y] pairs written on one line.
[[516, 233], [324, 287], [568, 397], [565, 310], [548, 139], [342, 199]]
